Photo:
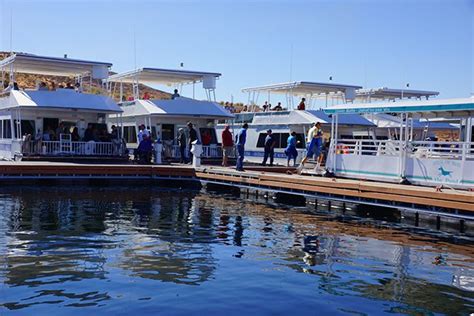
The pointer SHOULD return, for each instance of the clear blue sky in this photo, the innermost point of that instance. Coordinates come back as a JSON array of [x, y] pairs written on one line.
[[371, 43]]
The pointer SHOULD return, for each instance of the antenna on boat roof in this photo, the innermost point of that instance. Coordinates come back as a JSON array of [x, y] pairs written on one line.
[[11, 31], [291, 61], [134, 46]]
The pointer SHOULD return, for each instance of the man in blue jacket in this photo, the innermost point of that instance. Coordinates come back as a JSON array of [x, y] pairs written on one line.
[[240, 140]]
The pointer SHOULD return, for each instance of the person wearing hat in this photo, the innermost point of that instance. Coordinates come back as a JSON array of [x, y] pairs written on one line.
[[227, 145], [269, 146], [182, 145]]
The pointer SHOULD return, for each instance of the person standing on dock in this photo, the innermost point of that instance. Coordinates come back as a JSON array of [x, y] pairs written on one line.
[[269, 148], [227, 145], [314, 140], [191, 139], [241, 138], [182, 145], [290, 150]]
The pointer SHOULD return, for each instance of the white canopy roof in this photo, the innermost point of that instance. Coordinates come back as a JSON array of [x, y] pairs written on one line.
[[303, 88], [179, 107], [306, 117], [384, 93], [440, 107], [64, 99], [53, 66], [162, 76], [384, 120]]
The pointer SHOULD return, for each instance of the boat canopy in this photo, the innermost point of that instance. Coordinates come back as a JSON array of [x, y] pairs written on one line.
[[63, 99], [385, 93], [54, 66], [384, 120], [182, 107], [163, 76], [304, 88], [307, 117], [459, 107]]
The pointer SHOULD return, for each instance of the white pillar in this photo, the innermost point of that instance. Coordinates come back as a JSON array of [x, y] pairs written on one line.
[[196, 150], [158, 150]]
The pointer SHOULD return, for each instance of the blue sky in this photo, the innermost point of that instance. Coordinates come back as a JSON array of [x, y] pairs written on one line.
[[371, 43]]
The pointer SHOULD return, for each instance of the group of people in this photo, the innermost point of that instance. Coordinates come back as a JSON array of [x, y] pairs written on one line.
[[91, 133], [185, 143], [44, 86], [228, 145], [267, 107], [314, 147]]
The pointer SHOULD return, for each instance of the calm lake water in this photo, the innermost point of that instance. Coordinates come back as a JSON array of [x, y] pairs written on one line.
[[115, 251]]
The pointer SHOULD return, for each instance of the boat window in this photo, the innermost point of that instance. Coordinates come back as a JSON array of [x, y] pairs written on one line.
[[167, 131], [27, 127], [261, 140], [7, 129], [129, 134], [208, 136], [300, 141]]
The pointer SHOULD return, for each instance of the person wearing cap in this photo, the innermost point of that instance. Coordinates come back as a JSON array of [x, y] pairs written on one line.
[[181, 139], [192, 137], [241, 138], [269, 148], [227, 145]]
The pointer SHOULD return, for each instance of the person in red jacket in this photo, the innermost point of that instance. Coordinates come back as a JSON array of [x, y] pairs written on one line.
[[227, 145]]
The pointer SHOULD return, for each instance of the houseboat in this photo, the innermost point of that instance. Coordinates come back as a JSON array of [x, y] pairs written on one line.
[[164, 117], [406, 160], [286, 120], [56, 121]]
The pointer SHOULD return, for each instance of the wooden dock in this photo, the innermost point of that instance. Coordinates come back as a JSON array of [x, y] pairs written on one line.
[[269, 179]]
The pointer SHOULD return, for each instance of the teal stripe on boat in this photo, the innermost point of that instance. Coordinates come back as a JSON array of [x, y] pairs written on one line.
[[368, 172], [398, 109]]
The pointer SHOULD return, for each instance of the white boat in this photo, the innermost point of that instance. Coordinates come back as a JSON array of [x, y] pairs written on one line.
[[283, 122], [406, 159], [37, 123], [165, 117]]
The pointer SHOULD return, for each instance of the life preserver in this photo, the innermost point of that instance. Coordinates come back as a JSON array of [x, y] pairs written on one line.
[[342, 149]]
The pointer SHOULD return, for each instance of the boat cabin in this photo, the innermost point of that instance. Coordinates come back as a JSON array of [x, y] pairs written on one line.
[[165, 117], [58, 121]]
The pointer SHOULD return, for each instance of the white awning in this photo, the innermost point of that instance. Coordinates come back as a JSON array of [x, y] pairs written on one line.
[[304, 88], [385, 93], [178, 107], [163, 76], [450, 107], [61, 99], [53, 66]]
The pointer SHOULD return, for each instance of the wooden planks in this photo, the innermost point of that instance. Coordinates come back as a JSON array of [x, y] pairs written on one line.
[[449, 199]]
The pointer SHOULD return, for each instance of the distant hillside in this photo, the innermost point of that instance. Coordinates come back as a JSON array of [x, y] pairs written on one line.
[[29, 81]]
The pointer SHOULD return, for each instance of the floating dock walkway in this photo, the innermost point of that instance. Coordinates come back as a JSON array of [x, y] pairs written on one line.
[[447, 202]]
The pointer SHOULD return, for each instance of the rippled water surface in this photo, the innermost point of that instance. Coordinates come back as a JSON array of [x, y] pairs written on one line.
[[91, 251]]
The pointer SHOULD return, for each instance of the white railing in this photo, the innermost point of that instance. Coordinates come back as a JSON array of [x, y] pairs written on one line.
[[213, 151], [444, 150], [418, 149], [59, 148], [368, 147]]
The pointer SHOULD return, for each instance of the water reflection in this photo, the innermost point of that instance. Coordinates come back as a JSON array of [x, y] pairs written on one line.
[[104, 247]]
